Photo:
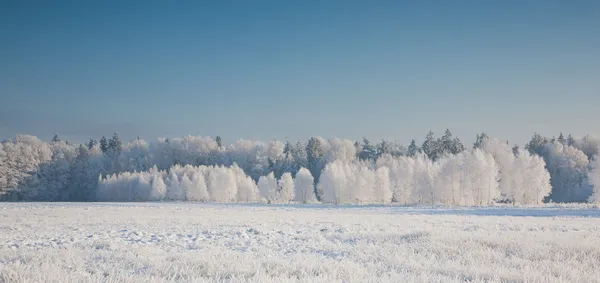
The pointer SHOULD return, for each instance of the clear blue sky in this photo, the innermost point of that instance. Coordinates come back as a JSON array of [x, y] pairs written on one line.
[[277, 69]]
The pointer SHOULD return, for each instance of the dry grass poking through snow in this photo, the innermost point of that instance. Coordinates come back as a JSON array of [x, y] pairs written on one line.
[[241, 243]]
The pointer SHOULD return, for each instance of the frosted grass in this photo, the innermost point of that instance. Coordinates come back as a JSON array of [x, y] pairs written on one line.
[[183, 242]]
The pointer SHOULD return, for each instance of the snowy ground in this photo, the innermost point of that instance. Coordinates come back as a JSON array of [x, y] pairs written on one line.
[[261, 243]]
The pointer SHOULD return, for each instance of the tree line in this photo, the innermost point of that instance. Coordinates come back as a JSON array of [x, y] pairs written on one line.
[[436, 171]]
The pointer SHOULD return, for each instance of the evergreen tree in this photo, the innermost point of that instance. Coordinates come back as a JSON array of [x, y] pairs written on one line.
[[91, 144], [369, 152], [480, 139], [570, 140], [561, 139], [55, 138], [413, 149], [104, 145], [219, 141], [299, 155], [430, 146], [115, 145], [386, 147], [314, 155], [446, 143], [358, 148], [515, 150], [457, 146], [79, 188], [287, 149], [537, 144]]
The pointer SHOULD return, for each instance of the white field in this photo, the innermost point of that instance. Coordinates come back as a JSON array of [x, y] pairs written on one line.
[[181, 242]]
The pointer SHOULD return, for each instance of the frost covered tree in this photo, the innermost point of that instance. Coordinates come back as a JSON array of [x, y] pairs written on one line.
[[335, 183], [222, 184], [268, 188], [22, 157], [413, 149], [135, 156], [431, 147], [315, 152], [304, 187], [530, 181], [368, 151], [481, 138], [382, 187], [568, 167], [588, 145], [286, 188], [537, 144], [401, 177], [594, 177], [174, 189], [354, 182], [104, 145]]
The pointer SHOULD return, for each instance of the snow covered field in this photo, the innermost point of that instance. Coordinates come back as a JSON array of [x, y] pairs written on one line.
[[183, 242]]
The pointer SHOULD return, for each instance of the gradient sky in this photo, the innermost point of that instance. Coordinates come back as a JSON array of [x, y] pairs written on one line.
[[294, 69]]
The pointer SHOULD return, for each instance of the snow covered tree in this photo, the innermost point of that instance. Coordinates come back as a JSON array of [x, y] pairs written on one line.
[[537, 144], [335, 183], [304, 187], [79, 187], [382, 189], [515, 150], [401, 179], [104, 145], [368, 152], [561, 139], [268, 188], [340, 149], [174, 189], [568, 167], [594, 177], [530, 181], [425, 172], [247, 189], [55, 138], [480, 140], [285, 188], [315, 152], [413, 149], [430, 147], [589, 145], [222, 184]]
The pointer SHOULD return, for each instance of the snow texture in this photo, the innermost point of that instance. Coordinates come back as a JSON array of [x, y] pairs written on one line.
[[187, 242]]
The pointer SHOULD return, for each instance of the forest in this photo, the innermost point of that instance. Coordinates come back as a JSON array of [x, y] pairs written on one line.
[[437, 171]]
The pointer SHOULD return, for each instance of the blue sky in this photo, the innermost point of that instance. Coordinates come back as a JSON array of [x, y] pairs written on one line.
[[294, 69]]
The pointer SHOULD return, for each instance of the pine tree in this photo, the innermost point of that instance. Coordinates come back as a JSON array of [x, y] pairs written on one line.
[[515, 150], [91, 144], [314, 155], [446, 143], [384, 147], [570, 140], [79, 184], [561, 139], [430, 146], [413, 149], [536, 144], [287, 149], [219, 141], [115, 145], [481, 138], [104, 145], [369, 152], [457, 146]]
